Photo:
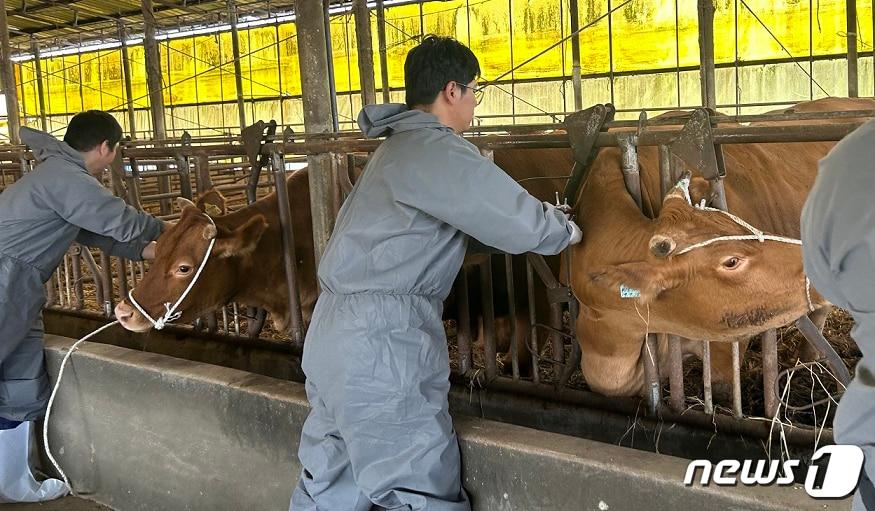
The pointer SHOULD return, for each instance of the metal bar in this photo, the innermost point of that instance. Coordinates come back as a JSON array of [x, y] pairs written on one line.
[[329, 60], [706, 52], [511, 303], [463, 324], [365, 51], [318, 115], [296, 322], [123, 277], [153, 72], [631, 172], [108, 298], [68, 302], [97, 276], [76, 266], [652, 390], [736, 380], [706, 377], [815, 337], [851, 31], [536, 358], [159, 196], [236, 319], [381, 42], [7, 74], [37, 64], [676, 372], [769, 341], [126, 75], [575, 56], [488, 306], [238, 73]]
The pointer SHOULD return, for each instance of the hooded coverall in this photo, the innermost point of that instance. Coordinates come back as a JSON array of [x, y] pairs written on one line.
[[375, 355]]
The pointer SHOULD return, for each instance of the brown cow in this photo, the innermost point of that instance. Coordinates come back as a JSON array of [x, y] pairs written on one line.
[[726, 291], [246, 265]]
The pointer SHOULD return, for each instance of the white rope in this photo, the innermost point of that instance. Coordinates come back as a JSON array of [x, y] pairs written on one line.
[[170, 313], [52, 400], [755, 235]]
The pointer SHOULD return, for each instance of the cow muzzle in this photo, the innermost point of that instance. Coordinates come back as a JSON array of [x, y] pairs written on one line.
[[130, 319]]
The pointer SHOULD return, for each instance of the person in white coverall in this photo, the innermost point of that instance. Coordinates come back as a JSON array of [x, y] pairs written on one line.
[[375, 356]]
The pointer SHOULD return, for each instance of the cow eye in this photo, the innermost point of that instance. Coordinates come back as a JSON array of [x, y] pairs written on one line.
[[731, 263], [183, 269]]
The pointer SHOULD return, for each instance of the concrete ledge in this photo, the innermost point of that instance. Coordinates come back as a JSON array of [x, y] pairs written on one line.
[[141, 431]]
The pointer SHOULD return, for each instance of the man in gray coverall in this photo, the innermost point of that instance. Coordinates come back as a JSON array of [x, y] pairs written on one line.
[[838, 248], [375, 356], [40, 216]]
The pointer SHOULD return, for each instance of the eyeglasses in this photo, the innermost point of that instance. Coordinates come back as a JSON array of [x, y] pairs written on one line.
[[477, 91]]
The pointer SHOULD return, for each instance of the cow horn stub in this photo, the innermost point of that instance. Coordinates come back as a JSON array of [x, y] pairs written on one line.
[[210, 232], [182, 203], [662, 246]]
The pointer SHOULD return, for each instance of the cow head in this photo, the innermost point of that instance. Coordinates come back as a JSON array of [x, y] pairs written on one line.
[[717, 291], [179, 253]]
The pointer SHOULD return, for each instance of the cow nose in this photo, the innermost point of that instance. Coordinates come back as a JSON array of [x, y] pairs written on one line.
[[123, 312], [662, 246]]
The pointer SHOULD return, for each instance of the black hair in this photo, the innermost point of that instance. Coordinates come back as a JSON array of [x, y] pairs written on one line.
[[432, 64], [88, 130]]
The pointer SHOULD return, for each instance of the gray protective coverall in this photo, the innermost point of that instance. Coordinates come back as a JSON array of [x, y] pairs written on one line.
[[40, 217], [376, 353], [838, 247]]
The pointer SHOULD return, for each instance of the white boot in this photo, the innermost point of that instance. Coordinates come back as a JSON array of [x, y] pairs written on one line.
[[17, 483]]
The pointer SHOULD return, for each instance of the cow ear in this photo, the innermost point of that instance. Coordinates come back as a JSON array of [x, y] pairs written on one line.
[[639, 280], [700, 188], [212, 202], [242, 240], [182, 203]]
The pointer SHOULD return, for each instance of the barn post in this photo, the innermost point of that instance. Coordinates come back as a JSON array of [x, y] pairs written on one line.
[[313, 56], [126, 74], [851, 30], [156, 94], [706, 53], [8, 77], [38, 67], [381, 42], [238, 73], [575, 56], [365, 51]]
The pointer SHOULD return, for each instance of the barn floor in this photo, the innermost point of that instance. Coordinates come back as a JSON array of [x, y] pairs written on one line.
[[64, 504]]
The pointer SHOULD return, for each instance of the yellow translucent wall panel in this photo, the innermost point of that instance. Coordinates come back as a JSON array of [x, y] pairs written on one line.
[[448, 18], [290, 70], [206, 70], [594, 50], [644, 35], [178, 71], [264, 77], [229, 85], [489, 25], [344, 53], [112, 81], [536, 26], [786, 20], [403, 29], [25, 75], [137, 57], [89, 65], [538, 97]]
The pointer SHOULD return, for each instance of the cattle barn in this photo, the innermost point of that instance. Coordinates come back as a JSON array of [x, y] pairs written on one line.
[[593, 379]]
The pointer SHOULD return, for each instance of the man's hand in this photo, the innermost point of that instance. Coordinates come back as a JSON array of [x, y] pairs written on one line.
[[576, 233], [149, 251]]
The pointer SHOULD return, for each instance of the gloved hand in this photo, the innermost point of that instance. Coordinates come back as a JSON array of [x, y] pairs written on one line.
[[576, 233]]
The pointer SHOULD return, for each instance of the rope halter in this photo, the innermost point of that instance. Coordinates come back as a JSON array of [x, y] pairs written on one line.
[[755, 234], [171, 314]]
